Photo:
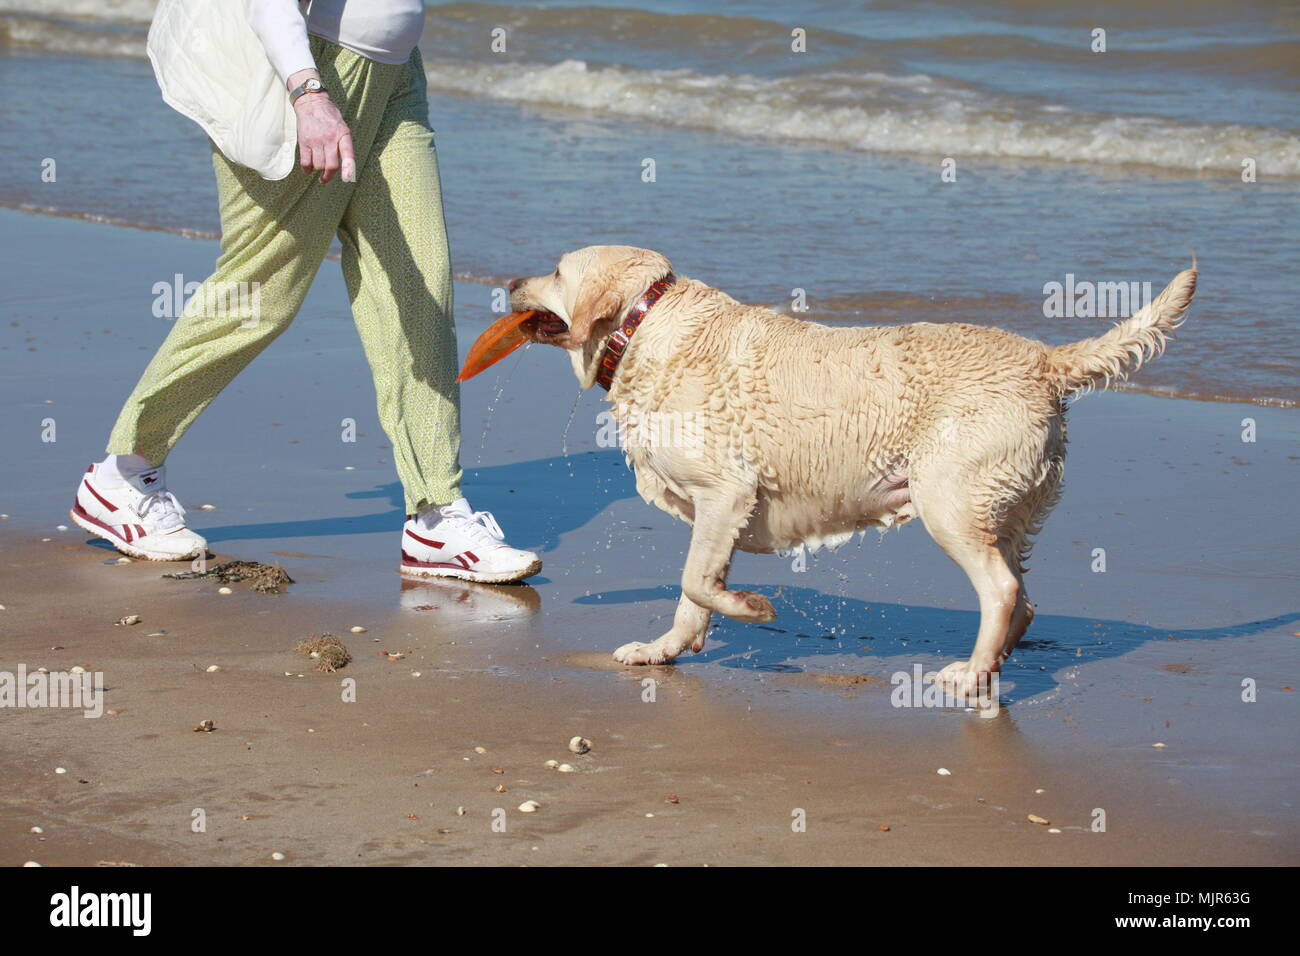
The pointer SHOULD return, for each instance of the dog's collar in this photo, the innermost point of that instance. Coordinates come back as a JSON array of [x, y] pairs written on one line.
[[618, 341]]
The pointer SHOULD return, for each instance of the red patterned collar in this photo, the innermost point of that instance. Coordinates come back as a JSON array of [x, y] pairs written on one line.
[[618, 341]]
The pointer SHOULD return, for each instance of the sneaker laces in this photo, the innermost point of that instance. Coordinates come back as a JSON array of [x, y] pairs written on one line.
[[169, 513], [479, 526]]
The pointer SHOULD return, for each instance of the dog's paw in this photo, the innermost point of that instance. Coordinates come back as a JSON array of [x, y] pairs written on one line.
[[638, 653], [965, 681], [750, 606]]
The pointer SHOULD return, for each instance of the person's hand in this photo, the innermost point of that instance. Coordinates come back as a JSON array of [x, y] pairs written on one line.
[[324, 142]]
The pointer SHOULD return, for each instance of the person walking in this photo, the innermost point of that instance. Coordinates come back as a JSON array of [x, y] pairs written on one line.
[[367, 172]]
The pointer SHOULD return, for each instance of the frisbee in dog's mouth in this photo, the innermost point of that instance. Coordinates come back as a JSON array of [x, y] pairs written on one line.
[[505, 335]]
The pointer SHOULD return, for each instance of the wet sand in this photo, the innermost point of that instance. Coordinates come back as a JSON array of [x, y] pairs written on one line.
[[1199, 595]]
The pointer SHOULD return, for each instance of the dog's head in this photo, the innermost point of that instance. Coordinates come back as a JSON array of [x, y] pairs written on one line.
[[587, 294]]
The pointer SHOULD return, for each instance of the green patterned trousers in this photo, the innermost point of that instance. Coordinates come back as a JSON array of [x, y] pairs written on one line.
[[274, 236]]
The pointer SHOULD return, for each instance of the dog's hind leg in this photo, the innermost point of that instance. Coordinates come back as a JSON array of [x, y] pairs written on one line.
[[990, 562], [718, 520]]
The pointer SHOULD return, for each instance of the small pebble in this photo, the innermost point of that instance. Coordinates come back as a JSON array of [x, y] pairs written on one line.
[[358, 629], [552, 764], [884, 828], [415, 673], [31, 863], [214, 668], [205, 726], [62, 527], [579, 745], [529, 806], [565, 768], [37, 830], [277, 855], [60, 769], [1040, 790], [42, 670], [157, 634], [207, 507], [944, 772], [1041, 821], [460, 811], [128, 620], [123, 560], [1053, 830], [78, 669], [480, 750], [225, 591], [1159, 746]]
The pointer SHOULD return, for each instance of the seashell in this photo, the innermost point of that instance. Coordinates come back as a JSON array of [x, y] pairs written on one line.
[[214, 668], [552, 764], [529, 806], [566, 768], [579, 745], [37, 830], [358, 629], [1041, 821], [480, 750], [277, 855], [205, 726], [944, 772], [128, 620], [225, 591]]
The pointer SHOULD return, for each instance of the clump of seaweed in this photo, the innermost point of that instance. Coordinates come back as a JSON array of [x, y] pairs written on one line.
[[327, 651], [263, 578]]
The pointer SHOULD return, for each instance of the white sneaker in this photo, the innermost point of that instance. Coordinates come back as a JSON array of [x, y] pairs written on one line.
[[456, 542], [136, 514]]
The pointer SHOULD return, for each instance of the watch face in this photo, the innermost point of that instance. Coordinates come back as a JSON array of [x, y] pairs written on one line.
[[313, 84]]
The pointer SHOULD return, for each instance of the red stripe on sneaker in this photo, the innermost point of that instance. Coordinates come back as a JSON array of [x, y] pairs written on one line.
[[85, 515], [140, 532], [472, 556], [102, 500], [426, 541]]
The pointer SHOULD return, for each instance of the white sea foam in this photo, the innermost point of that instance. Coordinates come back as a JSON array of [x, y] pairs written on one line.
[[867, 112]]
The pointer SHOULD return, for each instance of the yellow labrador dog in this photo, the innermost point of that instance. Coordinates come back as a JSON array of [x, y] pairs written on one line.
[[801, 434]]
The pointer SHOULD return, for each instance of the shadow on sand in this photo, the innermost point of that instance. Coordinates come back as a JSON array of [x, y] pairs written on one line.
[[811, 625]]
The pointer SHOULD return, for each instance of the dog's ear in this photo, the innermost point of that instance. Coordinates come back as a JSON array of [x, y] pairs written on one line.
[[596, 301]]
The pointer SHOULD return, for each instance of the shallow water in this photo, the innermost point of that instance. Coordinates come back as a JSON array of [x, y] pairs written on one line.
[[777, 171]]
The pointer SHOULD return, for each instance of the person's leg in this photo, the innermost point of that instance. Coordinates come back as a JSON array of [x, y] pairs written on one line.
[[274, 235], [398, 271]]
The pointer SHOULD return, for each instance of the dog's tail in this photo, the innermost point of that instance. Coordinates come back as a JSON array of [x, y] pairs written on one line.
[[1081, 366]]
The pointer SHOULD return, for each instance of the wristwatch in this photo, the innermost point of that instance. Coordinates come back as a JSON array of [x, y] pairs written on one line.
[[311, 85]]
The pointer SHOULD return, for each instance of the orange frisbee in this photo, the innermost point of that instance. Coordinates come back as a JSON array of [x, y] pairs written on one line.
[[501, 338]]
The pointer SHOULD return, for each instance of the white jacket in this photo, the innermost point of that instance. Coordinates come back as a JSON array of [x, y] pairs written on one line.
[[212, 68]]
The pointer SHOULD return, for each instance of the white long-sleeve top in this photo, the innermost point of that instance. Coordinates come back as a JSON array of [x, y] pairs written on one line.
[[382, 30]]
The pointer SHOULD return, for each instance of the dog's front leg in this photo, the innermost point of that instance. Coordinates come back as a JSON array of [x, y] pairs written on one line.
[[718, 521], [690, 624]]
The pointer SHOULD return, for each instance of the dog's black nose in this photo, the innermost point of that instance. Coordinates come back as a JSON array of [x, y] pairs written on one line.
[[515, 284]]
